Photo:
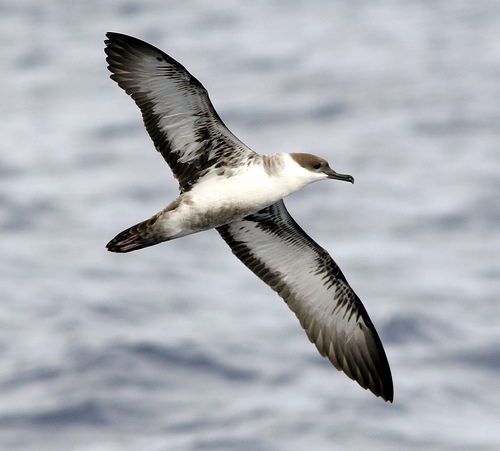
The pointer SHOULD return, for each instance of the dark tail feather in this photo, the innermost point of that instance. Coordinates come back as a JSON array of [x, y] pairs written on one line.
[[136, 237]]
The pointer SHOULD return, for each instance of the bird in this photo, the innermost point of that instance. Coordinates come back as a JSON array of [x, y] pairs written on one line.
[[227, 186]]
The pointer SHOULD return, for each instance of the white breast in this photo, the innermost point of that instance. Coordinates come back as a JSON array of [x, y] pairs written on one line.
[[251, 186]]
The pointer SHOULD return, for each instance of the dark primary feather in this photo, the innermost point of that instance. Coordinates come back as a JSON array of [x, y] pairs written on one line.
[[176, 109], [272, 245]]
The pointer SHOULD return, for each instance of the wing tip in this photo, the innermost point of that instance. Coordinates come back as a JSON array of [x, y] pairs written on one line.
[[115, 36], [115, 40], [386, 389], [379, 382]]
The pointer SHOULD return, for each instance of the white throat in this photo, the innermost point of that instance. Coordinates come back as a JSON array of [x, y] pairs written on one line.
[[296, 176]]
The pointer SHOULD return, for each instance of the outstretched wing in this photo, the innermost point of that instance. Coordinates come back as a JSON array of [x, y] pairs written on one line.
[[272, 245], [176, 109]]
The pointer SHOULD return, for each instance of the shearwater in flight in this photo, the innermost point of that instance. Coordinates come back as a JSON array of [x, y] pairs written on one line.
[[227, 186]]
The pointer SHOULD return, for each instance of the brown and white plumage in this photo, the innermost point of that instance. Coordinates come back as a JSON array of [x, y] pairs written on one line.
[[225, 185]]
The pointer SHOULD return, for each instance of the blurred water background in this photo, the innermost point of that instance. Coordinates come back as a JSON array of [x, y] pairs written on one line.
[[180, 347]]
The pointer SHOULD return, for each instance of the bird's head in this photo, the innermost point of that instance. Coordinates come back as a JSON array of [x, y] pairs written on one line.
[[318, 167]]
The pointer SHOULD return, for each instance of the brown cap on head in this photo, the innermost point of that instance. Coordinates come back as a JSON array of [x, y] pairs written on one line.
[[318, 164], [306, 160]]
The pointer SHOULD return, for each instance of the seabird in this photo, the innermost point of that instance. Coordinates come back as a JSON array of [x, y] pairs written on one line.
[[227, 186]]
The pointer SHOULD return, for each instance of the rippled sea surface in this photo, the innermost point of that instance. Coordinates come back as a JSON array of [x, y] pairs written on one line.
[[179, 346]]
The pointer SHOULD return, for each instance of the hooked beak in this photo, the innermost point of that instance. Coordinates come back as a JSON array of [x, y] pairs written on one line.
[[335, 175]]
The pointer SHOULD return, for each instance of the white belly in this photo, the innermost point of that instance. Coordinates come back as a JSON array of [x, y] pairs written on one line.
[[217, 200], [252, 189], [229, 194]]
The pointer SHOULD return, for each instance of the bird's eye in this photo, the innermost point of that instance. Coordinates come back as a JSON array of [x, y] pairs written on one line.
[[316, 165]]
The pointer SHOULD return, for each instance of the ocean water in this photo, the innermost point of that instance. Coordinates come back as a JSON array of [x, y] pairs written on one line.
[[179, 346]]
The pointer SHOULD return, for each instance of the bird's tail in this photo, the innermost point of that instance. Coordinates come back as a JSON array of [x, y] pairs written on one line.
[[136, 237]]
